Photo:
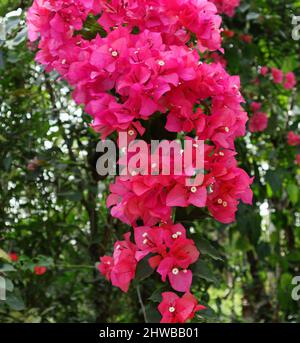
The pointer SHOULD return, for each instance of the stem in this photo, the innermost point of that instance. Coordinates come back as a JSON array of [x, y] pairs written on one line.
[[141, 303], [74, 266]]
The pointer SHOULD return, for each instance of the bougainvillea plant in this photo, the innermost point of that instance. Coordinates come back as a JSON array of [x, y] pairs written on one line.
[[153, 58]]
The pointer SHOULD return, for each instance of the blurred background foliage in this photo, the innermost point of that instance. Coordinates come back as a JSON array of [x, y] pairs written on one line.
[[52, 202]]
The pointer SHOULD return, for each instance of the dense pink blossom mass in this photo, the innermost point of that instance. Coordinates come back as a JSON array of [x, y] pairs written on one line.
[[151, 57]]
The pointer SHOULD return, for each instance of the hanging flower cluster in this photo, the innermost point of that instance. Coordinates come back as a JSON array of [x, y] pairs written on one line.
[[149, 57]]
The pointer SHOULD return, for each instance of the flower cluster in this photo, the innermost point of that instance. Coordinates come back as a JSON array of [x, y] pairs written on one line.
[[37, 269], [294, 140], [144, 60], [288, 80], [178, 310], [141, 67], [259, 120], [226, 6], [172, 253], [152, 198]]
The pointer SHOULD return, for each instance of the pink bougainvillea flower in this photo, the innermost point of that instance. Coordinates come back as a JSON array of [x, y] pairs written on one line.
[[105, 266], [258, 122], [181, 255], [290, 81], [255, 106], [297, 160], [277, 75], [120, 269], [226, 6], [293, 139], [173, 253], [183, 196], [222, 201], [264, 70], [33, 164], [149, 240], [178, 310]]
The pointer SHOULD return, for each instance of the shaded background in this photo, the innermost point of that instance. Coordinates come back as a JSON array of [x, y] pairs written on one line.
[[52, 202]]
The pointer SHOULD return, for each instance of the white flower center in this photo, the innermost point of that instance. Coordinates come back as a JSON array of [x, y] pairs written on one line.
[[175, 271]]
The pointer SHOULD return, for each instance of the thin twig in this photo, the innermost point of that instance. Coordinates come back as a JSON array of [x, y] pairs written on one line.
[[141, 303]]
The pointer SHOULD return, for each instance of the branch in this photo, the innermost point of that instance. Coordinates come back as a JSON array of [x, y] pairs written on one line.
[[141, 303]]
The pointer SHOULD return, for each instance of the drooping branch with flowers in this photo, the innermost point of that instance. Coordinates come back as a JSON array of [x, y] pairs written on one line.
[[152, 58]]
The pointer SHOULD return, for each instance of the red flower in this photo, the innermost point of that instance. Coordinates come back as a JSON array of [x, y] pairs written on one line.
[[246, 38], [13, 256], [178, 310], [40, 270], [228, 33]]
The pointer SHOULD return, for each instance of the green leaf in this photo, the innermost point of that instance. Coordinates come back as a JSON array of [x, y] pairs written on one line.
[[4, 256], [152, 314], [156, 295], [72, 196], [7, 268], [15, 302], [252, 16], [206, 248], [12, 23], [274, 180], [293, 193], [2, 30], [20, 37], [202, 270], [9, 285], [244, 7], [290, 63], [143, 270]]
